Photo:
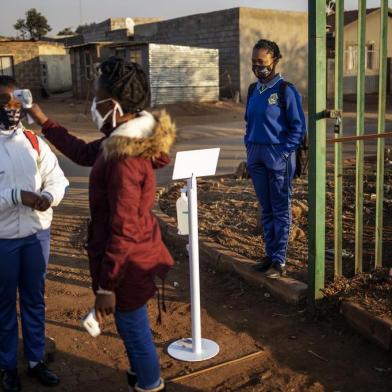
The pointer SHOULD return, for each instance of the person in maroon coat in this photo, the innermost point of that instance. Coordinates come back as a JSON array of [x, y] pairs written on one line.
[[125, 247]]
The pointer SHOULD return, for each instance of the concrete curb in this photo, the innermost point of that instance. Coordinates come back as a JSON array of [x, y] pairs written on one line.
[[287, 289], [374, 328]]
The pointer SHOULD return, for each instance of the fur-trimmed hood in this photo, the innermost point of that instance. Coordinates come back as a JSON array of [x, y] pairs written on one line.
[[147, 136]]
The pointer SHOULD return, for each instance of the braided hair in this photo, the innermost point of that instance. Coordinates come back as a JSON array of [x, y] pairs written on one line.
[[270, 46], [126, 82]]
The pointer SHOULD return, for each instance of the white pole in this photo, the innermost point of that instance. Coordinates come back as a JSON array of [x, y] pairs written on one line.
[[195, 349], [194, 265]]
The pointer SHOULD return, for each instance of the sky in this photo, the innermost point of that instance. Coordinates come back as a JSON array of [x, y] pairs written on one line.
[[66, 13]]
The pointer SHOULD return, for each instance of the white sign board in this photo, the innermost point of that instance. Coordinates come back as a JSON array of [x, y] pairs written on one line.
[[198, 163]]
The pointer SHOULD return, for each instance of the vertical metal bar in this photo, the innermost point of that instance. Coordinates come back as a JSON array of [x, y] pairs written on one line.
[[317, 147], [360, 132], [382, 89], [194, 265], [338, 210]]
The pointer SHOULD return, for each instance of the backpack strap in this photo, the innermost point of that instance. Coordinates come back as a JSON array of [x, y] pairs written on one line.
[[282, 94], [33, 139], [250, 92]]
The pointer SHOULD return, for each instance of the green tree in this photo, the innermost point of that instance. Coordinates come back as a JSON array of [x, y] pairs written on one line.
[[35, 25], [66, 31]]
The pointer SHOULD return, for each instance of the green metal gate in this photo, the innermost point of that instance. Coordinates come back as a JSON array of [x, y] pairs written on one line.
[[318, 114]]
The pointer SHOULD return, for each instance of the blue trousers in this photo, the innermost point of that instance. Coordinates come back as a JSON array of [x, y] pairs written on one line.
[[272, 174], [23, 264], [134, 329]]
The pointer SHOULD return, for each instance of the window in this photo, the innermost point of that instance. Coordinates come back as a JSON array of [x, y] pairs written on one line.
[[6, 65], [370, 56], [352, 58], [136, 56], [88, 66], [120, 52]]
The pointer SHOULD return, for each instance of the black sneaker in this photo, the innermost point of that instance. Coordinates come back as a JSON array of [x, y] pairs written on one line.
[[132, 381], [263, 264], [44, 375], [10, 381], [276, 270]]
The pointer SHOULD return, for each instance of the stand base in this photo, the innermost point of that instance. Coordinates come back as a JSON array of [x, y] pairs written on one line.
[[182, 350]]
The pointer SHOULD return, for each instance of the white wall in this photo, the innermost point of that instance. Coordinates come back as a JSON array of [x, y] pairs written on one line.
[[55, 68]]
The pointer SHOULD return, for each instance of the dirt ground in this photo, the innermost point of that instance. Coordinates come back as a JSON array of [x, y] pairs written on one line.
[[298, 352], [372, 290], [228, 213]]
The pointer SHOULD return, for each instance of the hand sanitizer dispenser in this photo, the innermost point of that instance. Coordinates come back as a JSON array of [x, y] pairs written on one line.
[[182, 213]]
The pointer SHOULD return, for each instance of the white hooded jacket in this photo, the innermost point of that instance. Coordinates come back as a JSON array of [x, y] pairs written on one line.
[[22, 168]]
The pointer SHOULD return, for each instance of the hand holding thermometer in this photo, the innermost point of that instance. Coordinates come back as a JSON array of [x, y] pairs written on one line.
[[26, 99]]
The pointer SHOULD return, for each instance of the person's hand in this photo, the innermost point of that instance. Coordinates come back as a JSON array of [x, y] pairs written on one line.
[[43, 204], [37, 114], [30, 199], [104, 305]]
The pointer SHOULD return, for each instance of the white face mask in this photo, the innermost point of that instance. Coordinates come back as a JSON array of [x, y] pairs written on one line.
[[97, 117]]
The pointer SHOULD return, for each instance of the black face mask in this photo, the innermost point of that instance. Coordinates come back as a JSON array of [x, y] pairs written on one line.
[[9, 118], [261, 71]]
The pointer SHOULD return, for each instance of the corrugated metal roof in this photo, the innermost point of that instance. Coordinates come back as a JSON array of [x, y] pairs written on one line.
[[126, 43], [89, 43]]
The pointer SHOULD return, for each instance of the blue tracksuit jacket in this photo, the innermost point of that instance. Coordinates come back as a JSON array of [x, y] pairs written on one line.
[[267, 123]]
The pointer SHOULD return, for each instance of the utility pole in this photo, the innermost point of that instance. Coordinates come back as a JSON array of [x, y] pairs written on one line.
[[80, 13]]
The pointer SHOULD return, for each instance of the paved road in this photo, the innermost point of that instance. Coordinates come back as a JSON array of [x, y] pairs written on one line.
[[229, 137]]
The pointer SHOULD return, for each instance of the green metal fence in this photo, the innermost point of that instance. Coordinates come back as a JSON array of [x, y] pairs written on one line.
[[318, 142]]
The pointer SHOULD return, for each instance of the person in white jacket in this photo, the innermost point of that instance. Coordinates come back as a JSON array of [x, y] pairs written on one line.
[[31, 183]]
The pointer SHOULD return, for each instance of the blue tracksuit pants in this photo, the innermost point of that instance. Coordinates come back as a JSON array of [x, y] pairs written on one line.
[[23, 264], [272, 173]]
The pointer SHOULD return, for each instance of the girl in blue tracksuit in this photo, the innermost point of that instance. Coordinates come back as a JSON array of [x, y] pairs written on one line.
[[274, 131]]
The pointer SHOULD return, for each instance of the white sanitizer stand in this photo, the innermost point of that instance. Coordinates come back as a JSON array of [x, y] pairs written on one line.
[[189, 165]]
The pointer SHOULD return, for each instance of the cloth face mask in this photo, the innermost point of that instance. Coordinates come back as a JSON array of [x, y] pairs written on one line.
[[10, 117], [262, 71]]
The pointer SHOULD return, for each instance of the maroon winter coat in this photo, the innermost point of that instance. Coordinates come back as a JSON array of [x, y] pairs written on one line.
[[125, 248]]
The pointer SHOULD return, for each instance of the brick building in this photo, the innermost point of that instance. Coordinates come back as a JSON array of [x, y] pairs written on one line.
[[109, 30], [176, 73], [234, 32], [36, 65]]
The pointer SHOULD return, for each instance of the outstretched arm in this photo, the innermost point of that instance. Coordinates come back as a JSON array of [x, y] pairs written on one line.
[[77, 150]]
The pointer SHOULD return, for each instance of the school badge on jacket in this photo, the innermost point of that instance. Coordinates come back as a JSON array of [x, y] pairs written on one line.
[[273, 99]]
